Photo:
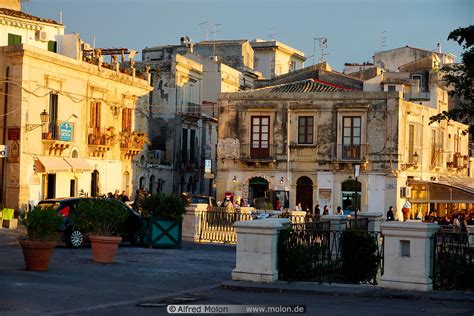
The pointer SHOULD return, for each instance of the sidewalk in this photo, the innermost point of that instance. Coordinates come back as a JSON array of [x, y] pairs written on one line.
[[314, 288]]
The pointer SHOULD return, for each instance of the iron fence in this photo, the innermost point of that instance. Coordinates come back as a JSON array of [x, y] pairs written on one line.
[[307, 253], [453, 261]]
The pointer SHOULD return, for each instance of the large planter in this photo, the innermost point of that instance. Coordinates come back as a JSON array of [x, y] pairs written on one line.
[[37, 254], [104, 248], [161, 233]]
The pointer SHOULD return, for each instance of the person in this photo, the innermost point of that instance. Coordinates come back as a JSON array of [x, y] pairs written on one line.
[[456, 224], [242, 204], [390, 216], [110, 195], [124, 198], [339, 211], [325, 210], [116, 194], [229, 207], [278, 204], [317, 212], [298, 207]]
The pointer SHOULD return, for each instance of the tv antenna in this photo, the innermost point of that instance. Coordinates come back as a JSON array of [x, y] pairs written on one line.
[[383, 40], [206, 25], [323, 44], [214, 32]]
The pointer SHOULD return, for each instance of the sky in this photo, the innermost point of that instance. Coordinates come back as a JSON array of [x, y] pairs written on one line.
[[353, 28]]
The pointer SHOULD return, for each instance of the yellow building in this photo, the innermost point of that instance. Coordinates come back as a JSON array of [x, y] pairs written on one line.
[[71, 123]]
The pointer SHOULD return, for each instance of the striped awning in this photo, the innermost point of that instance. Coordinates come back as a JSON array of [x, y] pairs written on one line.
[[46, 164]]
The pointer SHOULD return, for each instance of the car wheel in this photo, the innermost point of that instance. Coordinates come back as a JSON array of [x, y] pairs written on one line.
[[75, 238]]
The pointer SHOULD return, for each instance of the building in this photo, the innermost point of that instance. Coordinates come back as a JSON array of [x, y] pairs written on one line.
[[273, 58], [71, 123], [302, 141]]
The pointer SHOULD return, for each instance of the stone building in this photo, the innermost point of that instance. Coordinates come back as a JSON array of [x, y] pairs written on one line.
[[302, 142], [71, 123], [273, 58]]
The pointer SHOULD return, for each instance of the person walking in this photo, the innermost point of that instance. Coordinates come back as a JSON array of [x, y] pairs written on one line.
[[390, 216], [317, 212]]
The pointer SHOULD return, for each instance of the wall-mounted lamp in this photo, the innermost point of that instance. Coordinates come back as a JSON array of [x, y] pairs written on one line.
[[413, 164], [282, 180], [234, 180], [44, 116]]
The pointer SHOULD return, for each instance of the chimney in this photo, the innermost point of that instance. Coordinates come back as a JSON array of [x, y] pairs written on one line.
[[439, 47], [11, 4]]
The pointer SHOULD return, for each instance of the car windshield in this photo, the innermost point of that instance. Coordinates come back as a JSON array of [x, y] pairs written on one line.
[[44, 205]]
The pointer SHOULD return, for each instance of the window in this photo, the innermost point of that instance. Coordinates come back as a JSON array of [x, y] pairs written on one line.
[[434, 155], [411, 142], [351, 137], [192, 145], [95, 116], [184, 145], [53, 46], [53, 115], [14, 39], [391, 88], [417, 78], [305, 130], [260, 137], [127, 120]]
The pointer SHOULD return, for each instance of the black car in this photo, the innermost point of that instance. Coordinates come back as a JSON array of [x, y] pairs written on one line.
[[74, 237]]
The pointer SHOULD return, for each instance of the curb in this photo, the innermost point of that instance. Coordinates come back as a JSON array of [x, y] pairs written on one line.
[[307, 288]]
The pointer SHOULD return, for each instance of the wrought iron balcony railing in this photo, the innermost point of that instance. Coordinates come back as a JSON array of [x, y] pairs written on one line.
[[341, 152]]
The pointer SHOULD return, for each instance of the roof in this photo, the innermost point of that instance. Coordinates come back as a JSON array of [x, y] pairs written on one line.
[[416, 48], [304, 86], [26, 16], [222, 42]]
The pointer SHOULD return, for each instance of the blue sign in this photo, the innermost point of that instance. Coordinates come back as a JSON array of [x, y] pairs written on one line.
[[65, 132]]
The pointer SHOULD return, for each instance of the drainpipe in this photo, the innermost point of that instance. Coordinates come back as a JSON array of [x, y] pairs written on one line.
[[4, 160], [288, 186]]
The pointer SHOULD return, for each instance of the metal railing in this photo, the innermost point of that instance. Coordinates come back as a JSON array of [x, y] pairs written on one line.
[[343, 152], [218, 226], [453, 261], [321, 255], [249, 152]]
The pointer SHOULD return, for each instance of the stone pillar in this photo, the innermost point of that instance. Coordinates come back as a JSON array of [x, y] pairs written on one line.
[[374, 219], [257, 245], [192, 221], [408, 255], [338, 225], [297, 217]]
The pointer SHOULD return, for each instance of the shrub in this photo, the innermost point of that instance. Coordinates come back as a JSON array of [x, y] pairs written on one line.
[[100, 216], [360, 261], [42, 223], [163, 205]]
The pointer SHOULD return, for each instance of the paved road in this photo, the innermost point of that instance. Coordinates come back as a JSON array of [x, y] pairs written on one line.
[[155, 278]]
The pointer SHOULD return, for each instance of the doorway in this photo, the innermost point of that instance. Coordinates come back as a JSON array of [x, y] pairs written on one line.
[[95, 183], [257, 188], [348, 192], [304, 193], [51, 186], [72, 187]]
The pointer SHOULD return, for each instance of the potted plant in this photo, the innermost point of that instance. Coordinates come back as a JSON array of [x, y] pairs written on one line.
[[162, 220], [42, 231], [102, 219]]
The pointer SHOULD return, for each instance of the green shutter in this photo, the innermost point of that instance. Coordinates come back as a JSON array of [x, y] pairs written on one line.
[[14, 39], [53, 46]]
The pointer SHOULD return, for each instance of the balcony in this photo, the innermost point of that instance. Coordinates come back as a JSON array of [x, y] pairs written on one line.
[[132, 143], [259, 154], [58, 137], [417, 96], [350, 153], [100, 141]]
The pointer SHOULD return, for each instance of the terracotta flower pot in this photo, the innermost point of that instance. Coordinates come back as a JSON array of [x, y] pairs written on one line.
[[37, 254], [104, 248]]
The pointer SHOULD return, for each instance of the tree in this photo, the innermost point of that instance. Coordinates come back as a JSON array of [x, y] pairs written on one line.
[[461, 77]]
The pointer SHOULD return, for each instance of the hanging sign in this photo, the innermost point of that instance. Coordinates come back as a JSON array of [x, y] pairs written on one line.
[[65, 132]]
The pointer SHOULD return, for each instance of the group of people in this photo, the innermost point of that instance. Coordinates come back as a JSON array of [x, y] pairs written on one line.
[[119, 196]]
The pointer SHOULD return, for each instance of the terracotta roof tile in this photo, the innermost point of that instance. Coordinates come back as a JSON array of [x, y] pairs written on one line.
[[26, 16], [304, 86]]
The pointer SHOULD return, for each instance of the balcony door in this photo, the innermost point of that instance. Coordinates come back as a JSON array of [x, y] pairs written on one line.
[[351, 138], [260, 146]]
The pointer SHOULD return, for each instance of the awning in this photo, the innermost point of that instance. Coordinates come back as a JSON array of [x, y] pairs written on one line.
[[78, 164], [51, 165], [440, 192]]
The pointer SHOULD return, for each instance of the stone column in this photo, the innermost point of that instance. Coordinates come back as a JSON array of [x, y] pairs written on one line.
[[192, 221], [297, 217], [374, 219], [257, 245], [408, 255]]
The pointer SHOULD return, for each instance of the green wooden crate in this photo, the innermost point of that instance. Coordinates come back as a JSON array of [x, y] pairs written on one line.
[[161, 233]]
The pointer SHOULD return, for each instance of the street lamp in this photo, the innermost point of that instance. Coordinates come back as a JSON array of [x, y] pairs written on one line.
[[44, 116], [356, 175]]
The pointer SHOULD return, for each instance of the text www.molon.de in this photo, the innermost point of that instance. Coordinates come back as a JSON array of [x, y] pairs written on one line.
[[235, 309]]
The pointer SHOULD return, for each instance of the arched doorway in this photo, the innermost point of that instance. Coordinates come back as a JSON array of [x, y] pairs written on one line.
[[141, 183], [95, 183], [258, 186], [152, 185], [304, 193], [348, 194]]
